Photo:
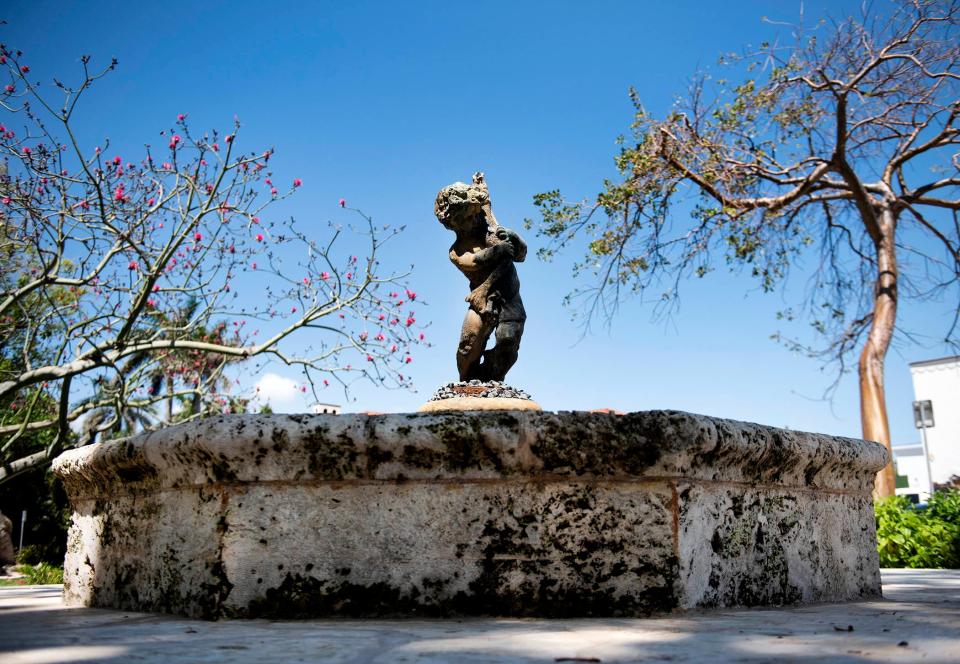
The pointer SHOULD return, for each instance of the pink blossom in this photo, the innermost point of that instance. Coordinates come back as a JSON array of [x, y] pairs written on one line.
[[369, 358], [24, 69], [166, 166], [297, 182], [6, 200], [325, 383], [268, 181], [273, 191], [118, 193], [151, 202], [259, 237], [421, 336], [306, 281], [209, 187], [349, 275], [215, 147], [381, 317], [198, 237], [181, 117], [343, 202], [293, 310], [26, 151], [408, 360], [9, 88], [229, 139], [156, 288], [411, 294], [363, 336], [151, 303], [380, 337], [84, 205], [117, 161], [393, 348], [133, 265], [254, 266], [255, 220], [324, 276], [175, 138], [303, 388], [411, 321]]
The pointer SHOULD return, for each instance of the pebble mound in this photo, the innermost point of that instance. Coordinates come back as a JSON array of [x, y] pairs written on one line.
[[491, 389]]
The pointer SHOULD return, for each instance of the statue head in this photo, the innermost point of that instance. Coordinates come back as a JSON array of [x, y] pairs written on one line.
[[460, 202]]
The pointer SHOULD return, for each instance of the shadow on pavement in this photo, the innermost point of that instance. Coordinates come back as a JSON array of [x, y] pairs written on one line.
[[919, 619]]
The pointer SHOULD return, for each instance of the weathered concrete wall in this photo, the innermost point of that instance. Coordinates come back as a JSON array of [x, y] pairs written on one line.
[[509, 513]]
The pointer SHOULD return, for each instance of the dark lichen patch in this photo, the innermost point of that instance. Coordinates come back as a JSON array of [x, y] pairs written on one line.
[[465, 445], [280, 439], [375, 457], [569, 554], [751, 537], [598, 445], [329, 457], [539, 597], [222, 471], [421, 457], [299, 597], [136, 473], [216, 591]]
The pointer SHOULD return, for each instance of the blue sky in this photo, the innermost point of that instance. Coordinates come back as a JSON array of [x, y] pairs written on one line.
[[385, 103]]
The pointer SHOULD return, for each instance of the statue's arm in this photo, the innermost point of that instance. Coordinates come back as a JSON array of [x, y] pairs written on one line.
[[484, 257], [519, 246]]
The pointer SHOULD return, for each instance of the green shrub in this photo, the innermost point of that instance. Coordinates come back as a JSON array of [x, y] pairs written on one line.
[[42, 574], [30, 554], [919, 537]]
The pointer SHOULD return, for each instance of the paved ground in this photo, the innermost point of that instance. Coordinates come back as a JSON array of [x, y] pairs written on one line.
[[917, 621]]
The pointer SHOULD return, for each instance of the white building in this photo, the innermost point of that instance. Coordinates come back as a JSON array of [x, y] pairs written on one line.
[[330, 408], [912, 467], [936, 381]]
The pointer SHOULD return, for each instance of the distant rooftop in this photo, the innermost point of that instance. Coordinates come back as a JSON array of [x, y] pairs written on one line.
[[911, 449], [930, 363]]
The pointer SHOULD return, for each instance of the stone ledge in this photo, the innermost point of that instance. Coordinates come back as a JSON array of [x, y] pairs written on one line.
[[470, 445], [504, 513]]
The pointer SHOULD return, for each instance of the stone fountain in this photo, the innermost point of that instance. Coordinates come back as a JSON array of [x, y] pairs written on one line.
[[482, 504]]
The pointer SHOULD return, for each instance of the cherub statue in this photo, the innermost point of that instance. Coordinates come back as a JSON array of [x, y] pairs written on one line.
[[485, 252]]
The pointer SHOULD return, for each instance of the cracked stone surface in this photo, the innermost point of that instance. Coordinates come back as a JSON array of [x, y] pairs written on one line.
[[479, 513]]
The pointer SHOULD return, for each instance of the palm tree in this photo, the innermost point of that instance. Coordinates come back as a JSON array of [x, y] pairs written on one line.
[[194, 367]]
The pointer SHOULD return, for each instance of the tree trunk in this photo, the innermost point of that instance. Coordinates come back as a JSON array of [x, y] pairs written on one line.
[[169, 398], [873, 405]]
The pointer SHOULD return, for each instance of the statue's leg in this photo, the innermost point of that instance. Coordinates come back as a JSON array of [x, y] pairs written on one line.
[[473, 339], [504, 354]]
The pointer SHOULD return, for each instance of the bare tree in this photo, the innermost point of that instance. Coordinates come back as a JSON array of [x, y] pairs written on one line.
[[104, 256], [840, 147]]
